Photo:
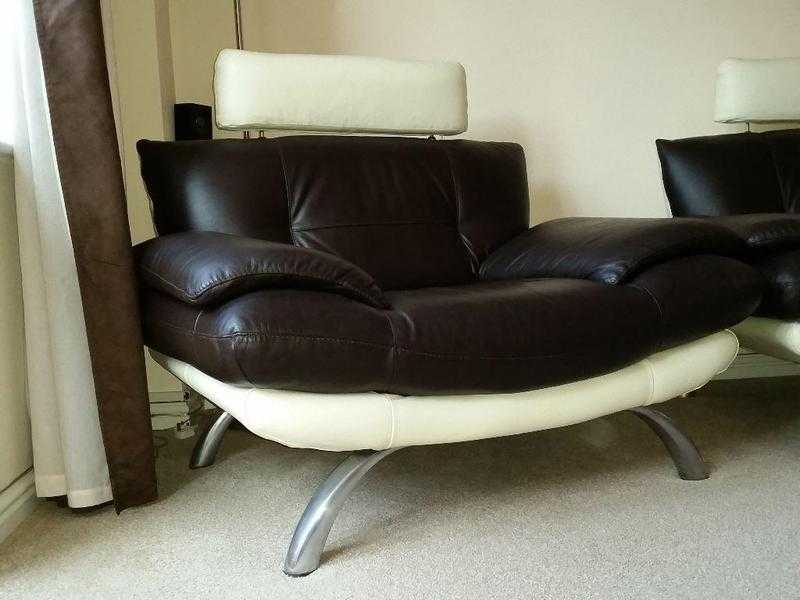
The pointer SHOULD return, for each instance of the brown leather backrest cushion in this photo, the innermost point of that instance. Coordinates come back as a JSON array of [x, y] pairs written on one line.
[[412, 212], [732, 174]]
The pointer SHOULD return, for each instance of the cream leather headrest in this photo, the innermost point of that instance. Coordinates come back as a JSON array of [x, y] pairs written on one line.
[[307, 92], [753, 90]]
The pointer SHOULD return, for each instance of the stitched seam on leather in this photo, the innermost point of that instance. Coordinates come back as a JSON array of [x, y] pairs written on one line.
[[489, 357], [653, 297], [194, 332], [364, 343], [288, 189], [235, 351], [394, 348], [379, 224], [781, 185], [652, 378], [659, 307], [474, 262], [393, 420], [266, 275], [269, 335]]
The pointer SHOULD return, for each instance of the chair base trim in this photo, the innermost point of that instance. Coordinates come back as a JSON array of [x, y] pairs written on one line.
[[773, 337]]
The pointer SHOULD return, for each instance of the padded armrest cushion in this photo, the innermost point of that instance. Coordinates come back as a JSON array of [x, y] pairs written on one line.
[[204, 267], [764, 230], [608, 250]]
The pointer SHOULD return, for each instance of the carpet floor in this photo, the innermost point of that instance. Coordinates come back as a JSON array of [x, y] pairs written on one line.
[[594, 510]]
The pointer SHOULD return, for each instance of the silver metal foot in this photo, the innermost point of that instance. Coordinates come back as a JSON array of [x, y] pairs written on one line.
[[311, 533], [685, 455], [205, 450]]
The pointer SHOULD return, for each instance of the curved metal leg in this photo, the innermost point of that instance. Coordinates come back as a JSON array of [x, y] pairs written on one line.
[[685, 455], [311, 533], [205, 451]]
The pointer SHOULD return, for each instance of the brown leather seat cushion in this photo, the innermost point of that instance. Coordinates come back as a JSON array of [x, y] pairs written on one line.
[[414, 218], [484, 337]]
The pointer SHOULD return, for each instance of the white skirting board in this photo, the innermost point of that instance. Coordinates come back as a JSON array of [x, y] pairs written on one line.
[[17, 501], [751, 365]]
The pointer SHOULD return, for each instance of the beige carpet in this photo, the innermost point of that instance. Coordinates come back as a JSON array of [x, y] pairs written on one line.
[[590, 511]]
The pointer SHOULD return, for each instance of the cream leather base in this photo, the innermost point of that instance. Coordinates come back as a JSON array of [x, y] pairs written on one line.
[[379, 421], [772, 337]]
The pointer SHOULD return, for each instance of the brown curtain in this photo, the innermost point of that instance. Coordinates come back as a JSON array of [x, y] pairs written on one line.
[[76, 78]]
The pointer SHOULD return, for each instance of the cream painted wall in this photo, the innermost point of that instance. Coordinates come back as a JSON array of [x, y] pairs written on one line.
[[15, 436], [585, 86]]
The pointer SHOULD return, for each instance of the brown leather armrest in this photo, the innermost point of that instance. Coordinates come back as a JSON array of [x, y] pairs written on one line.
[[609, 250], [203, 267]]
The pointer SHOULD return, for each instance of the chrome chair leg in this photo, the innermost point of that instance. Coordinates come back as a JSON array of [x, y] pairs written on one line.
[[205, 450], [684, 453], [311, 533]]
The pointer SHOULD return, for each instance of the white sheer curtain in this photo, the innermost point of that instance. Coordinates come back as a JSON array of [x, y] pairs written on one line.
[[69, 458]]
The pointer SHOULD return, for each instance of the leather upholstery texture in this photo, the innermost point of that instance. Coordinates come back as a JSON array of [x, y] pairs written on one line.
[[514, 335], [767, 232], [608, 250], [732, 174], [697, 295], [781, 272], [387, 205], [286, 339], [205, 267], [415, 218]]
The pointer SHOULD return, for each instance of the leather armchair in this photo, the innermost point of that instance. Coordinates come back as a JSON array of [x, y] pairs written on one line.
[[365, 299], [749, 183], [365, 294]]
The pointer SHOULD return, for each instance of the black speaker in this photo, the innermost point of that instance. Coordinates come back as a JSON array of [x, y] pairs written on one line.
[[192, 121]]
